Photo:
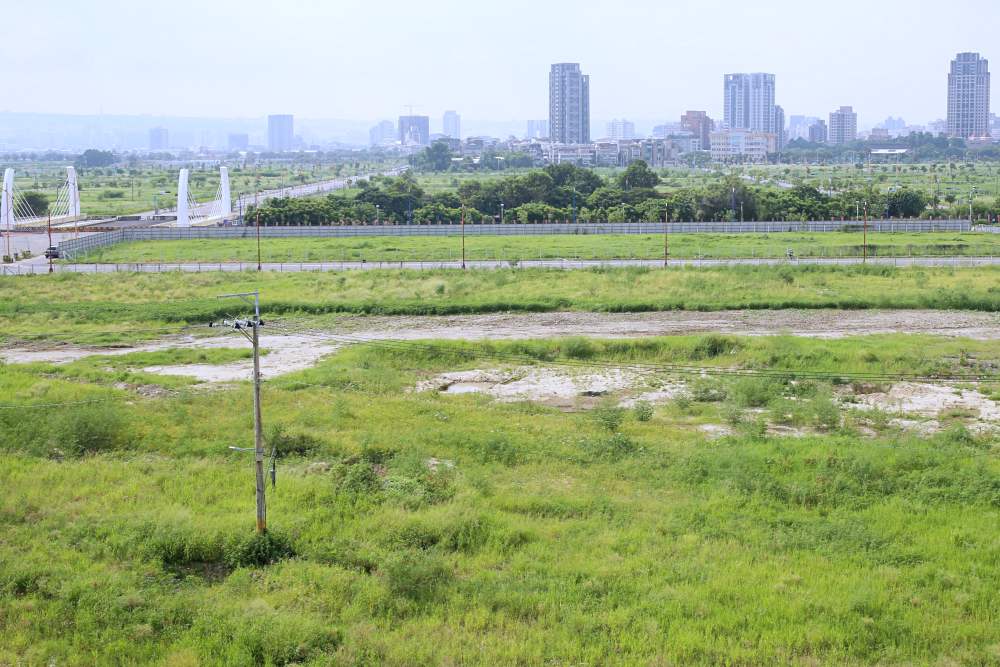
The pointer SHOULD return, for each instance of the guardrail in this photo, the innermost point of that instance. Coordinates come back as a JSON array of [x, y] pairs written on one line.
[[76, 247]]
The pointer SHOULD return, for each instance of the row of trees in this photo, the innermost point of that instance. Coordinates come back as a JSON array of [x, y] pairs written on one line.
[[564, 192]]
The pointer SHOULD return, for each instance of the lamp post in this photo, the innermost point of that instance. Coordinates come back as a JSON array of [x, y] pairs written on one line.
[[377, 207], [501, 213], [972, 194]]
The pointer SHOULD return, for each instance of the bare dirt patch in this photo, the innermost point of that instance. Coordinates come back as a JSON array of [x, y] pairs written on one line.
[[560, 388], [285, 354], [811, 323], [923, 407]]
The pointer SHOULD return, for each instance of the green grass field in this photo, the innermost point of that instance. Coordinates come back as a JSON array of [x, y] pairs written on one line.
[[595, 246], [142, 304], [605, 537]]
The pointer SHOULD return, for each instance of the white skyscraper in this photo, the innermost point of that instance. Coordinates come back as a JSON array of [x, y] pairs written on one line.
[[969, 96], [452, 124], [749, 102], [569, 104]]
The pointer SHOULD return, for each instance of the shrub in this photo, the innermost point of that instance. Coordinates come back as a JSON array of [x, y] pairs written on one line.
[[292, 444], [708, 390], [755, 392], [89, 430], [257, 549], [360, 479], [609, 416], [714, 345], [416, 575], [613, 448], [643, 411]]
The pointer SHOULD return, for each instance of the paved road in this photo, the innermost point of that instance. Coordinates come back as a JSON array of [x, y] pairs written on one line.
[[294, 267]]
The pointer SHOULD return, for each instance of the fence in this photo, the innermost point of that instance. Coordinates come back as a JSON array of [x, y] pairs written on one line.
[[76, 247], [559, 264]]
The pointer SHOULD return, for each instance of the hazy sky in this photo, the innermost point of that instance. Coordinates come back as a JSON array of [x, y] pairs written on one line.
[[366, 59]]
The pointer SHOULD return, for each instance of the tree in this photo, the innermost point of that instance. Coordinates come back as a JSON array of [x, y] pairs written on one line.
[[638, 175], [906, 203], [38, 202], [436, 157], [95, 158]]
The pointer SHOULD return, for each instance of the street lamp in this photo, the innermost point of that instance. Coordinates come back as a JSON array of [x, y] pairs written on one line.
[[501, 213], [972, 194], [377, 207]]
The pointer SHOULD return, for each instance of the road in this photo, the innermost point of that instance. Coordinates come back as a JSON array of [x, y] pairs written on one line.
[[204, 267]]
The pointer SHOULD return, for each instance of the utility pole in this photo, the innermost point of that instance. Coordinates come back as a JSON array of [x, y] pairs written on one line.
[[50, 241], [257, 225], [254, 326], [864, 259], [666, 246], [463, 236]]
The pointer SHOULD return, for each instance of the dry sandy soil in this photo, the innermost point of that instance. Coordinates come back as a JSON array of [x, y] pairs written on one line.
[[295, 346]]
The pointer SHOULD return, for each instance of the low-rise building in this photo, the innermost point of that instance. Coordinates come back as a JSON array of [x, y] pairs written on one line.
[[742, 145]]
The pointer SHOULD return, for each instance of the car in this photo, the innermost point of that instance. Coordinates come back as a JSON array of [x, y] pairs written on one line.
[[52, 252]]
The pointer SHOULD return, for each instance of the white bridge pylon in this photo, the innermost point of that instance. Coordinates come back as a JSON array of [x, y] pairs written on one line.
[[192, 214], [16, 212]]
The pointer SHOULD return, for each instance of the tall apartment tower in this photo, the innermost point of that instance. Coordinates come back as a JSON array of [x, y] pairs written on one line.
[[158, 139], [569, 104], [818, 132], [843, 126], [452, 124], [749, 102], [969, 96], [280, 133], [537, 129], [779, 128], [414, 130]]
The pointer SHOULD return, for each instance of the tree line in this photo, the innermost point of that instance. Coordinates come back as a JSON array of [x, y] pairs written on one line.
[[566, 193]]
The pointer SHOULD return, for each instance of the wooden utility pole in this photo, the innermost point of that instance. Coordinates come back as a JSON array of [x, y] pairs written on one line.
[[258, 432], [253, 325]]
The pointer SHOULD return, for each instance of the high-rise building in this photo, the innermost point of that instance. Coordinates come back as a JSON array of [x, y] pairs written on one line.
[[621, 129], [238, 141], [817, 132], [158, 139], [537, 129], [779, 127], [700, 125], [749, 102], [843, 127], [383, 132], [798, 126], [452, 124], [969, 96], [280, 133], [569, 104], [414, 130]]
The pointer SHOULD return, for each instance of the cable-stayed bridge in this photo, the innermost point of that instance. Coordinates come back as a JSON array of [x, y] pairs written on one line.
[[16, 211]]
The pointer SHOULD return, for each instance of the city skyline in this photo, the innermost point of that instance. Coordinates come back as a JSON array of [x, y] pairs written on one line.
[[177, 80]]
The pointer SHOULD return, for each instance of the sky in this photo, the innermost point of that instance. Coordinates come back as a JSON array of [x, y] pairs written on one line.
[[649, 60]]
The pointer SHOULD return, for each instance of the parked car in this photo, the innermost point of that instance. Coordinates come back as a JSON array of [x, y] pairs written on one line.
[[52, 252]]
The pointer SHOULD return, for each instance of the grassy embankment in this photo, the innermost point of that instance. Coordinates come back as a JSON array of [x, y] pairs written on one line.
[[597, 246], [602, 537], [73, 303]]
